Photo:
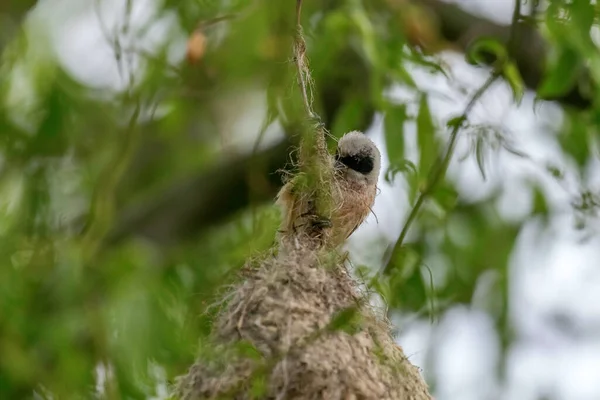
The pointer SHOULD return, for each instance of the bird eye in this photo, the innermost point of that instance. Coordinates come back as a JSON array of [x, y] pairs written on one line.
[[362, 164]]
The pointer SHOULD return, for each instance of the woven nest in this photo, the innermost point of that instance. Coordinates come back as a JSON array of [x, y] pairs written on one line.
[[297, 327]]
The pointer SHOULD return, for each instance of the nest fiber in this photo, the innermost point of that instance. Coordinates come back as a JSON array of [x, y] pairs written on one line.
[[297, 327]]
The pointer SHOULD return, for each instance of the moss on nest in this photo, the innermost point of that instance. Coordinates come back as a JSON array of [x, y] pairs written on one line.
[[298, 328]]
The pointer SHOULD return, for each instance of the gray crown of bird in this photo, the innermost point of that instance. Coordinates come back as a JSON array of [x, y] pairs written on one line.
[[356, 165]]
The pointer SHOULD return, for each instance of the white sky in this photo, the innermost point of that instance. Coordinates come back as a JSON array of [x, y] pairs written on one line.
[[553, 276]]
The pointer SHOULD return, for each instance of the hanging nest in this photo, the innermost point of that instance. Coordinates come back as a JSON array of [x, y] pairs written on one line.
[[298, 327]]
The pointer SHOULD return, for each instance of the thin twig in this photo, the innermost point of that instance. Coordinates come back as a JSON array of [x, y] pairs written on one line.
[[516, 17], [301, 63], [102, 207], [212, 21], [438, 174], [314, 158], [442, 167]]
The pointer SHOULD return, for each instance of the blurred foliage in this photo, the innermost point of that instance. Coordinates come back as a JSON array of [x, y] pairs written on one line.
[[81, 314]]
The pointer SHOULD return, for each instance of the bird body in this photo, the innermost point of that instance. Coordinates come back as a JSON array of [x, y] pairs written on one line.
[[356, 167]]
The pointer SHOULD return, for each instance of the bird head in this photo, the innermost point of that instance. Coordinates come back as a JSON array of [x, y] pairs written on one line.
[[358, 158]]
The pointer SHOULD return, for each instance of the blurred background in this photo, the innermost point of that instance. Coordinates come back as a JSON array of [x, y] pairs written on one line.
[[142, 143]]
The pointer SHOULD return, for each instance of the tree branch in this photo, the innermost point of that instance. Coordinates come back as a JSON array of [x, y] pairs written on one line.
[[203, 201], [438, 172], [12, 14], [529, 52], [194, 204]]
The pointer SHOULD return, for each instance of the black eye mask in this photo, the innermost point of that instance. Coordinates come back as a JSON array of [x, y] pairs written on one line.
[[359, 162]]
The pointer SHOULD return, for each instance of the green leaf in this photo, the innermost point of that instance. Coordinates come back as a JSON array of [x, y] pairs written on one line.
[[402, 75], [367, 31], [555, 171], [346, 320], [540, 206], [513, 77], [514, 151], [247, 350], [446, 196], [479, 156], [582, 15], [426, 138], [575, 140], [433, 66], [259, 385], [412, 177], [562, 75], [406, 284], [405, 166], [486, 51], [393, 126], [553, 20], [457, 122], [349, 116], [381, 284], [406, 261], [52, 135]]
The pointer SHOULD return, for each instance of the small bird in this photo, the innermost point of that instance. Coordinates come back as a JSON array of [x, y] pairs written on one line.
[[356, 165]]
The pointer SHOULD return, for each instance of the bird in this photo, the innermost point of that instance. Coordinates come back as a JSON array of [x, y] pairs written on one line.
[[356, 165]]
